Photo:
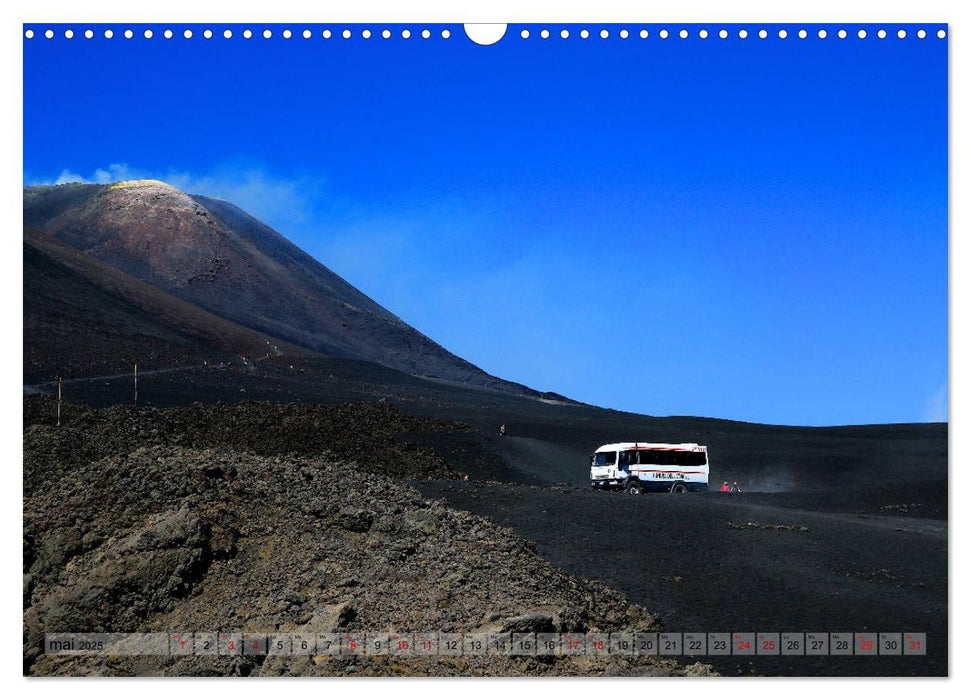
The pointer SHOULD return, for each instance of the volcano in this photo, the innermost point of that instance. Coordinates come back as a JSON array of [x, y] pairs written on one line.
[[215, 256]]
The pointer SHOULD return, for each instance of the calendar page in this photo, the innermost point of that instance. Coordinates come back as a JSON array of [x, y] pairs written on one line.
[[523, 349]]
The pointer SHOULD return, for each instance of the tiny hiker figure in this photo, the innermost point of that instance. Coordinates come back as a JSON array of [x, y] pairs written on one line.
[[735, 488], [724, 487], [502, 429]]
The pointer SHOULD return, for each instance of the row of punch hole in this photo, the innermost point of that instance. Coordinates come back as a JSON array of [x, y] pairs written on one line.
[[446, 33]]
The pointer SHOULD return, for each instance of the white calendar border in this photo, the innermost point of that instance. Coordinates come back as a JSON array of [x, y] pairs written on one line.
[[495, 11]]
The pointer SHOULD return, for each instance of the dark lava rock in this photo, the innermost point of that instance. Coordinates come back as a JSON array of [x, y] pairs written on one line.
[[530, 622], [124, 531], [355, 519]]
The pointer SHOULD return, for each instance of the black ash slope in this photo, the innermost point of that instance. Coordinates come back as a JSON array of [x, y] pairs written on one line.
[[83, 317], [721, 563]]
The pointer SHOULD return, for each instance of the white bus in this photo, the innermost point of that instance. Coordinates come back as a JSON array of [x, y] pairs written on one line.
[[636, 467]]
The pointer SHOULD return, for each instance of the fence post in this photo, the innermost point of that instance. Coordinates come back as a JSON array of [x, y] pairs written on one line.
[[58, 402], [136, 384]]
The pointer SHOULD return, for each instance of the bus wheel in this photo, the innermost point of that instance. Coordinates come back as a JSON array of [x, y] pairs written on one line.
[[634, 487], [679, 488]]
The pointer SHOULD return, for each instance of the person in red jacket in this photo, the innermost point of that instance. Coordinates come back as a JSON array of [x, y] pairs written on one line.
[[724, 488]]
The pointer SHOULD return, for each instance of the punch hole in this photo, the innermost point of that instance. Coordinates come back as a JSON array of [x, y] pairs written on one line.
[[783, 33], [129, 34], [861, 33], [405, 33], [841, 33], [89, 34], [366, 34], [29, 34], [49, 34], [267, 34], [487, 34], [763, 34], [703, 34], [565, 34], [287, 34], [69, 34], [584, 34], [940, 33], [187, 33], [149, 34], [742, 33], [803, 33], [247, 33], [524, 34], [207, 34], [604, 34], [544, 34], [167, 34], [663, 34], [644, 34], [882, 34], [723, 34], [901, 33], [228, 34], [624, 33], [821, 33]]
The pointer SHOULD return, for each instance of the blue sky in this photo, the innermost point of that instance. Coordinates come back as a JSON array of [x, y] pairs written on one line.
[[749, 229]]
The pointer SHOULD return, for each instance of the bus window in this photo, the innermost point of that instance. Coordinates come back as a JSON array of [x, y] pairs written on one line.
[[659, 458], [690, 459], [604, 459], [628, 457]]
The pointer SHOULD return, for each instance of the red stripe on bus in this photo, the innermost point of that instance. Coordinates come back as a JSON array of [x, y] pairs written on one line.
[[666, 471], [666, 449]]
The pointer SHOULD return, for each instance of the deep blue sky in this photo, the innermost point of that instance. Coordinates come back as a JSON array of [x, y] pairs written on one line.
[[749, 229]]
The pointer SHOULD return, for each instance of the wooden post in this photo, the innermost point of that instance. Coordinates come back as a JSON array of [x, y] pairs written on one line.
[[136, 384], [58, 402]]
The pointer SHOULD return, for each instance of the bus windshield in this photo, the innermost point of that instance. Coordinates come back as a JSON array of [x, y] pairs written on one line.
[[604, 459]]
